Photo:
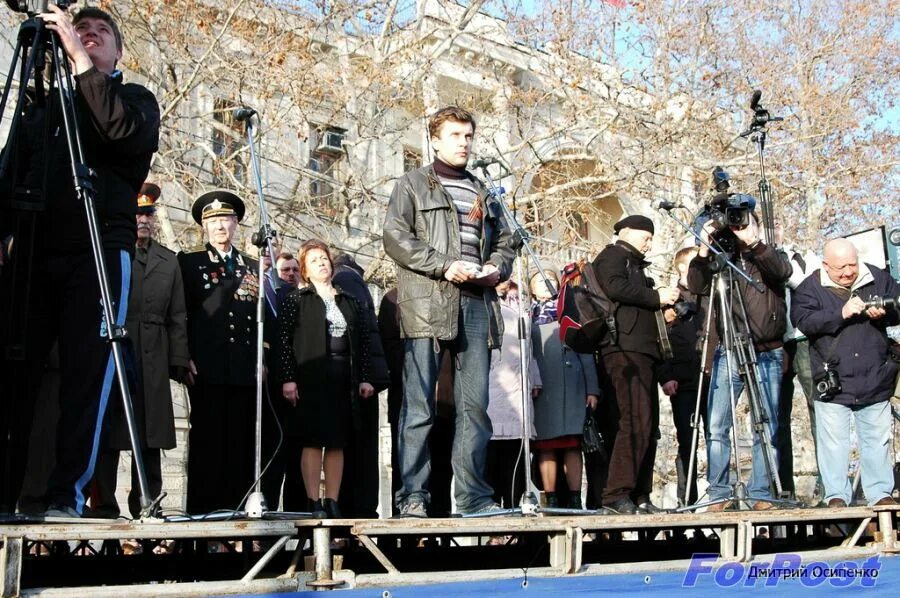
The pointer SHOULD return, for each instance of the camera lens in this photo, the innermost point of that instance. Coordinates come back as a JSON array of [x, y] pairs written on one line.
[[822, 386]]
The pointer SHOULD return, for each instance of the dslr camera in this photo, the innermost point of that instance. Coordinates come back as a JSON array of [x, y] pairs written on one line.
[[883, 302], [684, 309], [828, 384]]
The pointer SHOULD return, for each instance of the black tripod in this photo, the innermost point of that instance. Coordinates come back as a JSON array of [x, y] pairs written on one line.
[[739, 351], [33, 44], [740, 356]]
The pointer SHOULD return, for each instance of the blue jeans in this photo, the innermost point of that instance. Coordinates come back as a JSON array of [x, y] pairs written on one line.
[[718, 439], [471, 362], [873, 429]]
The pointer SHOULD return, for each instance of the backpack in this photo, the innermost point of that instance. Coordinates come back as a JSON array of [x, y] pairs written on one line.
[[587, 317]]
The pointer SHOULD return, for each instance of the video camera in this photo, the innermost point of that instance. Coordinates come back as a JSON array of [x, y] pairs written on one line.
[[35, 7], [725, 210]]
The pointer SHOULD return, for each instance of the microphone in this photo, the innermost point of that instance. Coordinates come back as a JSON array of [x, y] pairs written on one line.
[[668, 205], [754, 101], [243, 113], [482, 162]]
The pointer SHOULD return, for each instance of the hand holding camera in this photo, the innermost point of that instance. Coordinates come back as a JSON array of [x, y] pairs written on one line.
[[668, 295], [60, 21]]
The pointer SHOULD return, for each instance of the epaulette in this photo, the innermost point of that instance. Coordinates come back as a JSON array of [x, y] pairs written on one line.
[[196, 249]]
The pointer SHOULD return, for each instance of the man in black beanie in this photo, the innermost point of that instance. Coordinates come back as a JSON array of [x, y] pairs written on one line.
[[629, 361]]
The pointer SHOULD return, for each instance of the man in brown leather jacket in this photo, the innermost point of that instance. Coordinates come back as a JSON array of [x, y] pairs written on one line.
[[451, 247]]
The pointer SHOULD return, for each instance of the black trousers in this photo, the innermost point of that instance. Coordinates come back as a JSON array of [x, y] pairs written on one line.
[[684, 402], [359, 485], [282, 479], [634, 425], [502, 456], [64, 306], [103, 500], [220, 447]]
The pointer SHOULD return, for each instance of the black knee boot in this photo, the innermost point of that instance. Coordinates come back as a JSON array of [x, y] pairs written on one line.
[[316, 508]]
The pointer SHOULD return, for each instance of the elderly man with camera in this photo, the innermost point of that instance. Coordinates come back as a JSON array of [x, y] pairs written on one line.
[[844, 308]]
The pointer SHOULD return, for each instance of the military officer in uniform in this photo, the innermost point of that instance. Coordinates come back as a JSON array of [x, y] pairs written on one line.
[[158, 331], [221, 287]]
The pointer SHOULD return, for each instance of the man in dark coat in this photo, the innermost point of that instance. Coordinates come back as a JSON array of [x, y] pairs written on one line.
[[681, 377], [629, 364], [282, 479], [359, 497], [220, 287], [157, 328], [52, 257], [849, 337]]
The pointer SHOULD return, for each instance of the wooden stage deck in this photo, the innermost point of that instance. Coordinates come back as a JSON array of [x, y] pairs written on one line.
[[79, 557]]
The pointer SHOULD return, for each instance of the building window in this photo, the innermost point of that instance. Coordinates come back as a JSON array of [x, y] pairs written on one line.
[[325, 153], [226, 142], [411, 159]]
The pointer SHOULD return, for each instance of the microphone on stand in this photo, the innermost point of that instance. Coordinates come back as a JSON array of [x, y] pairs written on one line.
[[754, 101], [243, 113], [483, 162], [668, 205]]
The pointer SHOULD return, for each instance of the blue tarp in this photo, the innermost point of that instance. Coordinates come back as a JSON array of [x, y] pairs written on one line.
[[711, 583]]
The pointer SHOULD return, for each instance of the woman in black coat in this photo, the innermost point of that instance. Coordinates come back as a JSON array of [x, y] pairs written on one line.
[[323, 366]]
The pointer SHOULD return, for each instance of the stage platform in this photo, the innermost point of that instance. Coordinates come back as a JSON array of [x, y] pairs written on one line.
[[266, 556]]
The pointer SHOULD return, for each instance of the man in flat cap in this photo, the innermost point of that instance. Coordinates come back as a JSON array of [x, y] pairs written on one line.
[[157, 328], [629, 362], [221, 287]]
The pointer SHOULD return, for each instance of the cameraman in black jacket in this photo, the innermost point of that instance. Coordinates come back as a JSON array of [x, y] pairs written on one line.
[[119, 130], [766, 321]]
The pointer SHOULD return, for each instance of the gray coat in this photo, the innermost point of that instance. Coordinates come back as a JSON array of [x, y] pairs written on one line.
[[157, 327], [568, 377], [421, 234]]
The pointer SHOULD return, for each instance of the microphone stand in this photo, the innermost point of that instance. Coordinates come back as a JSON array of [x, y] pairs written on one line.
[[256, 506], [758, 133], [528, 505]]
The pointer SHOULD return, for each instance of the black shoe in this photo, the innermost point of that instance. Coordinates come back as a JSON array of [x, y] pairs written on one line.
[[316, 508], [551, 500], [574, 501], [331, 508], [648, 508], [623, 506], [101, 512]]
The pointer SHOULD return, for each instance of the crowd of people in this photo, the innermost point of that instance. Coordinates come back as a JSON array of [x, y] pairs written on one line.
[[444, 343]]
